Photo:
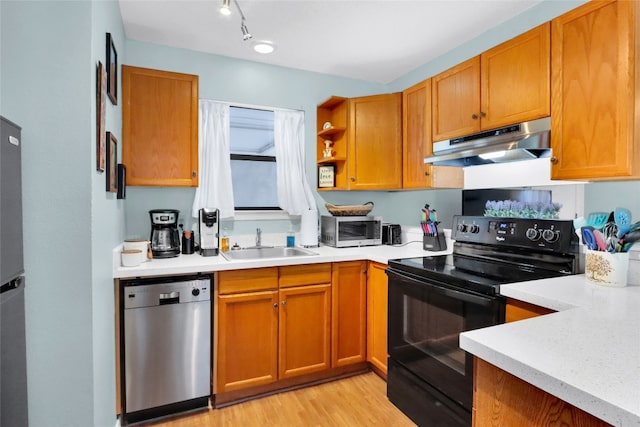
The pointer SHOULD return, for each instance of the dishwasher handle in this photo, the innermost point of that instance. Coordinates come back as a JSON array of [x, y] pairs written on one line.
[[169, 298]]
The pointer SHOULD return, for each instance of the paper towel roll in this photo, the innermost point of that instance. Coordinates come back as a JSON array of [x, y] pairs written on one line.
[[309, 228]]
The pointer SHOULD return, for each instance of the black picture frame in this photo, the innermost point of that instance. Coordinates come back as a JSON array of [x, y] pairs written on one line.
[[326, 176], [112, 70], [112, 163], [101, 110], [122, 181]]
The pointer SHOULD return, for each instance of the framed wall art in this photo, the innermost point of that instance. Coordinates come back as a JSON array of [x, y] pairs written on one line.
[[326, 176], [112, 70], [122, 181], [112, 163], [101, 111]]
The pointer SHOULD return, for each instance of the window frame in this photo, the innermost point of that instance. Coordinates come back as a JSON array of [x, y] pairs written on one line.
[[256, 213]]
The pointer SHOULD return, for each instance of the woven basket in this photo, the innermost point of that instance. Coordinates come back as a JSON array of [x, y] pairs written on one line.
[[349, 210]]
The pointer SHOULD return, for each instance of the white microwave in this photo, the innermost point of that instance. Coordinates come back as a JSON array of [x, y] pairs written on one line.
[[348, 231]]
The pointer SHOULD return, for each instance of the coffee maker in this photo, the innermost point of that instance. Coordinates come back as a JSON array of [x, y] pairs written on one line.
[[208, 229], [165, 240]]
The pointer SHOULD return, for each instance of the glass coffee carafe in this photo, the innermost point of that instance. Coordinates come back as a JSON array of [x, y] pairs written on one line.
[[165, 240]]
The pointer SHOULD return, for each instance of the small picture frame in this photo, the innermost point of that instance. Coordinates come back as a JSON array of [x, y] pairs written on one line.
[[122, 181], [101, 110], [326, 176], [112, 70], [112, 163]]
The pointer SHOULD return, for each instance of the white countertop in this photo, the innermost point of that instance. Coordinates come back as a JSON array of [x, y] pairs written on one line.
[[587, 354], [195, 263]]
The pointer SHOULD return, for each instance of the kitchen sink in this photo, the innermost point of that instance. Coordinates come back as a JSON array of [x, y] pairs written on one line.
[[247, 254]]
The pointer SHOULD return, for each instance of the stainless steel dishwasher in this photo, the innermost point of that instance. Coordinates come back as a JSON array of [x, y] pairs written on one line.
[[166, 346]]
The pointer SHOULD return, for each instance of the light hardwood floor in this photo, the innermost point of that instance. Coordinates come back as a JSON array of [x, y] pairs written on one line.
[[356, 401]]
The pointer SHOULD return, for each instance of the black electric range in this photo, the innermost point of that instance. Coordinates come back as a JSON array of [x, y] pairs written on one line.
[[433, 299]]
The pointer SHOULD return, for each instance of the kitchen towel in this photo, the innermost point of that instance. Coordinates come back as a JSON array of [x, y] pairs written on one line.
[[309, 228]]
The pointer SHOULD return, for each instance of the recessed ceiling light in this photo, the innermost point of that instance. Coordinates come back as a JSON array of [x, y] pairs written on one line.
[[263, 47]]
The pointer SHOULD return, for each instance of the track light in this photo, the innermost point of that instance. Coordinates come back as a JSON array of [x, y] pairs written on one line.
[[246, 35], [225, 9]]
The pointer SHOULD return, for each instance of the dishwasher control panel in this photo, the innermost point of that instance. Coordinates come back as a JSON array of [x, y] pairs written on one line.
[[150, 293]]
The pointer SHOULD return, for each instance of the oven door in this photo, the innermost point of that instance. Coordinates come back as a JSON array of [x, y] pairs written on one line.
[[426, 318]]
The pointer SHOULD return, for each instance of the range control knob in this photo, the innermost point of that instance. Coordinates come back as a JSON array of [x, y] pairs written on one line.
[[532, 234], [195, 292], [474, 228], [550, 235], [462, 228]]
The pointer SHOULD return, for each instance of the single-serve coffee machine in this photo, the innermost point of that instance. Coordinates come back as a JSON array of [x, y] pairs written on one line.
[[209, 230], [165, 240]]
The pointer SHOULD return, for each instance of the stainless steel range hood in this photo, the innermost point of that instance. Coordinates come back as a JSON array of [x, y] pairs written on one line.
[[523, 141]]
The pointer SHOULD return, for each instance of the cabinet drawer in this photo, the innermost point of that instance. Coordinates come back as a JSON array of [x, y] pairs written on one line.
[[256, 279], [300, 275]]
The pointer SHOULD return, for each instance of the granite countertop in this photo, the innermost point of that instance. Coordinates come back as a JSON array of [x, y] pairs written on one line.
[[587, 354]]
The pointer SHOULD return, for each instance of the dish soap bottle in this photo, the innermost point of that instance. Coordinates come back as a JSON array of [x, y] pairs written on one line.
[[291, 239]]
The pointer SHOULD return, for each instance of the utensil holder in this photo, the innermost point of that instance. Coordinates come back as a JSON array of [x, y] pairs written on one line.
[[607, 268], [434, 241]]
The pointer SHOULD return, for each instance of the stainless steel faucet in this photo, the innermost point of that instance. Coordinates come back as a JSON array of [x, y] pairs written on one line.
[[258, 237]]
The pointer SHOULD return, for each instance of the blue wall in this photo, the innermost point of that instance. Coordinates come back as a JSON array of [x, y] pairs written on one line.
[[47, 79]]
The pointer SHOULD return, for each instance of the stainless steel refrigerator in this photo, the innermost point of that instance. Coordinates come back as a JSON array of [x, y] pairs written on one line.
[[13, 359]]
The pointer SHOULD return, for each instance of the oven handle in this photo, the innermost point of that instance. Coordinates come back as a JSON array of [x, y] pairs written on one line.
[[482, 300]]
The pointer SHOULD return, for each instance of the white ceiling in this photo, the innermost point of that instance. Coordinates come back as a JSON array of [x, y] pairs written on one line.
[[376, 41]]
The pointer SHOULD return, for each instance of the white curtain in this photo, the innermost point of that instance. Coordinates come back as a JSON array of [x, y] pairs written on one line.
[[215, 189], [294, 194]]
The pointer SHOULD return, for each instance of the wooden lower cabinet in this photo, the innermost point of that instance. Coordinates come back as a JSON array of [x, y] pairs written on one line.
[[501, 399], [348, 313], [304, 335], [247, 340], [377, 286], [520, 310]]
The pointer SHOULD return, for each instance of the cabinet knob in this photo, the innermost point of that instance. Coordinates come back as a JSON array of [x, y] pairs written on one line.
[[426, 173], [483, 114], [284, 302], [474, 116], [194, 174], [275, 305], [353, 179], [554, 160]]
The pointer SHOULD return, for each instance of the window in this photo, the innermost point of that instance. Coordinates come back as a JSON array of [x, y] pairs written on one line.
[[253, 161]]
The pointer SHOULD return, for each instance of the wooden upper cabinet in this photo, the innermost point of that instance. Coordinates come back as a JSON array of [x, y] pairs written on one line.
[[416, 134], [456, 100], [507, 84], [160, 127], [375, 142], [515, 79], [417, 143], [594, 127]]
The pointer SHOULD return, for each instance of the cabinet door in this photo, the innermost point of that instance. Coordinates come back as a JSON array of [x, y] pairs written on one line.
[[160, 127], [247, 340], [456, 100], [348, 313], [515, 78], [375, 142], [416, 134], [377, 316], [304, 334], [592, 99]]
